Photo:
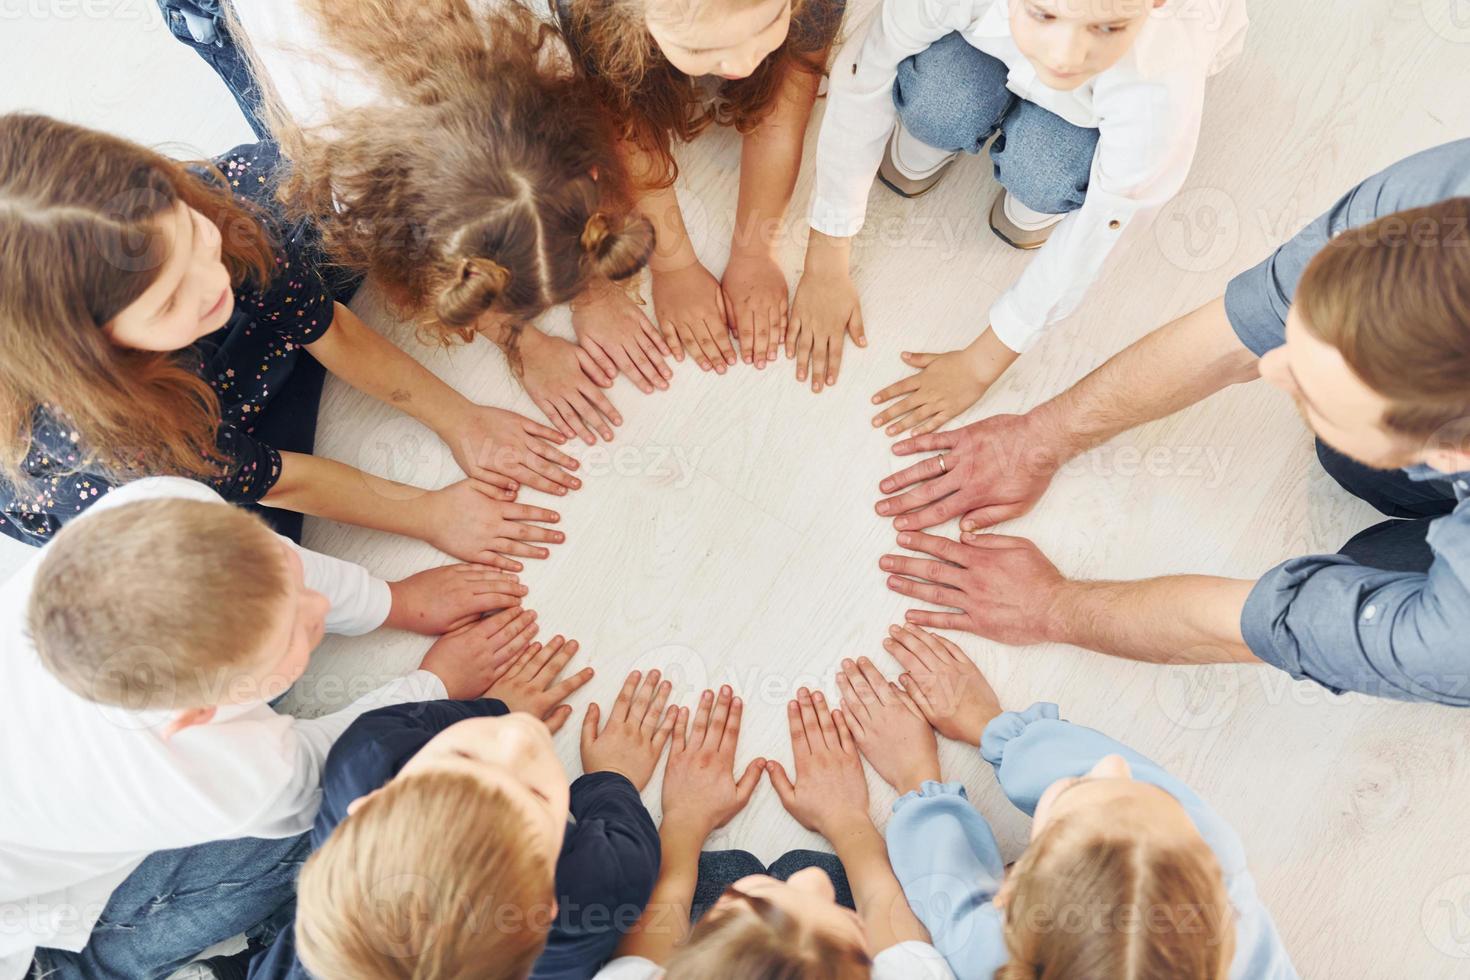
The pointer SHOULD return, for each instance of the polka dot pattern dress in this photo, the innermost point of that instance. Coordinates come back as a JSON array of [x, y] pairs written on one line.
[[247, 362]]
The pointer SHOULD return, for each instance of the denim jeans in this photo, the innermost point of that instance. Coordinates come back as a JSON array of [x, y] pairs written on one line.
[[953, 96], [1398, 544], [201, 25], [176, 904], [718, 870]]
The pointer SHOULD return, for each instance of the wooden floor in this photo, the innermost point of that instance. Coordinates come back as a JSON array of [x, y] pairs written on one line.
[[728, 535]]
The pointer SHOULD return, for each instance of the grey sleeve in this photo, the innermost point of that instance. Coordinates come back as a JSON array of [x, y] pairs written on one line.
[[1256, 301]]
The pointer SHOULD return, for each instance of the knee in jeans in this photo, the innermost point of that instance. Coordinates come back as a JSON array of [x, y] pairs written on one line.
[[950, 95], [1046, 167]]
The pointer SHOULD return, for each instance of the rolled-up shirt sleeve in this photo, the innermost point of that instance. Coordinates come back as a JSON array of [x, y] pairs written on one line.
[[1148, 131], [1349, 627]]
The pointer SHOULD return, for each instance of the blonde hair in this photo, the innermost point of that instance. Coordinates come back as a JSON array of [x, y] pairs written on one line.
[[1393, 296], [1090, 902], [752, 937], [158, 603], [431, 878]]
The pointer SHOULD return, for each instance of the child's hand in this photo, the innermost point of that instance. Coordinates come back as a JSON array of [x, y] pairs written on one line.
[[825, 308], [467, 521], [441, 600], [468, 659], [700, 791], [558, 376], [943, 682], [530, 683], [637, 730], [890, 730], [947, 385], [691, 313], [509, 450], [617, 335], [756, 296], [830, 791]]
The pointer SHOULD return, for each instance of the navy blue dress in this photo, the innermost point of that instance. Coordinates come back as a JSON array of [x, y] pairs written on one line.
[[268, 391], [609, 858]]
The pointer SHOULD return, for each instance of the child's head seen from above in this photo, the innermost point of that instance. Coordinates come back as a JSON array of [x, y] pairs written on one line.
[[728, 38], [1071, 41], [174, 605], [764, 927], [1106, 841], [448, 870]]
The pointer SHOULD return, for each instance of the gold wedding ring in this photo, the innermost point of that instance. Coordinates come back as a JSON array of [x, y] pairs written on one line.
[[942, 467]]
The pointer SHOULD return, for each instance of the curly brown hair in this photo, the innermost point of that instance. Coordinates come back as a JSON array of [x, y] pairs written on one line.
[[485, 180], [655, 103], [80, 240]]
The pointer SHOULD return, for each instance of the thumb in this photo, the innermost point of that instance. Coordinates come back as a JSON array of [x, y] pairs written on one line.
[[989, 516], [782, 785], [490, 490], [589, 725], [749, 780], [855, 327], [918, 360], [558, 718]]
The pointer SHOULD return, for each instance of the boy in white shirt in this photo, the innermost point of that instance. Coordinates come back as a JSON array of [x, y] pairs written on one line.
[[151, 801], [1095, 106]]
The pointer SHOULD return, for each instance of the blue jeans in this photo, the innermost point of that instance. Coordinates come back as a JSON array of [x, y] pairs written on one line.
[[176, 904], [1398, 544], [201, 25], [718, 870], [953, 96]]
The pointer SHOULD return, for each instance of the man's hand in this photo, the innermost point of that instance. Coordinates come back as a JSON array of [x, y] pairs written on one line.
[[1005, 588], [989, 471]]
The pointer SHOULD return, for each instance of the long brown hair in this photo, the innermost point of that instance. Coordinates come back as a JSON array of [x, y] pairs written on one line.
[[1090, 903], [79, 241], [655, 103], [485, 178]]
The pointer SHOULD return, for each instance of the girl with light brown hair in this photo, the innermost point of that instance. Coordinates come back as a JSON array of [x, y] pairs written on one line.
[[1128, 875], [667, 70], [153, 317], [451, 151]]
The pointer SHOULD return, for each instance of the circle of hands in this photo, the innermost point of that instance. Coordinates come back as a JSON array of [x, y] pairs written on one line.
[[994, 585]]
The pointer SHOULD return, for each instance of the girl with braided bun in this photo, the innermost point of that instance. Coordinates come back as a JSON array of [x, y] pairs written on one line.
[[451, 151]]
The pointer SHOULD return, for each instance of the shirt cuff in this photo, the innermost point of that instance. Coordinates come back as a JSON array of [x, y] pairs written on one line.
[[928, 790], [378, 605], [1010, 329], [835, 220], [1252, 314], [1264, 615]]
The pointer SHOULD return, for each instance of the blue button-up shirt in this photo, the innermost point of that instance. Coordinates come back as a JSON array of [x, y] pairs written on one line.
[[1325, 617]]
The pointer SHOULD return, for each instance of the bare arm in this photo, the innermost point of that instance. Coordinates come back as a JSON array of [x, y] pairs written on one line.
[[1178, 619], [665, 919], [326, 488], [875, 889], [770, 158]]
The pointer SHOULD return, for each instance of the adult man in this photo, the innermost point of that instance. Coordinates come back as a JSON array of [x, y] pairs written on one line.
[[1364, 318]]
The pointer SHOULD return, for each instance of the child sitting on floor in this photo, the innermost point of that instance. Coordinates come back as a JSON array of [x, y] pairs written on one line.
[[1128, 874], [155, 790], [451, 844]]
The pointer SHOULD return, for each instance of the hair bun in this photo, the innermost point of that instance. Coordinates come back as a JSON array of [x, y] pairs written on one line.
[[473, 288], [617, 252]]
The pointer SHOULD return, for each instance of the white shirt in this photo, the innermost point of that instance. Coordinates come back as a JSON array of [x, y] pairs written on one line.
[[912, 960], [88, 791], [1146, 108]]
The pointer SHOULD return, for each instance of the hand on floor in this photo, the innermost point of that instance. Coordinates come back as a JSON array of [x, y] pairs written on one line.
[[993, 470], [469, 659], [824, 312], [888, 727], [618, 336], [1004, 587], [509, 450], [467, 521], [944, 683], [441, 600], [531, 684], [700, 790], [557, 374], [691, 312], [756, 296], [947, 384], [830, 792], [637, 730]]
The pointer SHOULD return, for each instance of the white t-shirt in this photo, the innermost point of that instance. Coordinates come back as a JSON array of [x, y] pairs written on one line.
[[912, 960], [88, 791]]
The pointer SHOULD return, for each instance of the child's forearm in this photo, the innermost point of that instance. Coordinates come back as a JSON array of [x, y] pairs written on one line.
[[989, 357], [368, 361], [326, 488], [665, 919], [770, 158], [880, 901], [672, 249]]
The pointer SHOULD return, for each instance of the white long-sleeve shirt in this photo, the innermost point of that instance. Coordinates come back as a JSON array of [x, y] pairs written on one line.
[[1146, 109], [88, 791]]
